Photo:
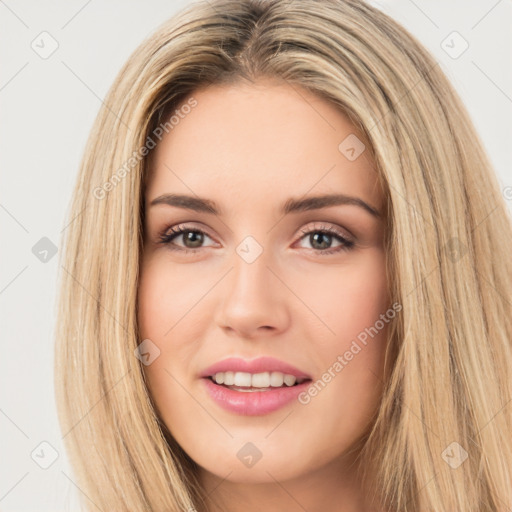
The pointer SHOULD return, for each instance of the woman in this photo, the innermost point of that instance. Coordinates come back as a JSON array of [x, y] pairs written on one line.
[[287, 284]]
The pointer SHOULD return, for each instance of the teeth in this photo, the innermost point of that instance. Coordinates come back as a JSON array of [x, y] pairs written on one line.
[[276, 379], [256, 380], [243, 379], [289, 380]]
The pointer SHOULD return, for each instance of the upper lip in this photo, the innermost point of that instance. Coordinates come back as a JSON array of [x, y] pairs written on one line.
[[259, 365]]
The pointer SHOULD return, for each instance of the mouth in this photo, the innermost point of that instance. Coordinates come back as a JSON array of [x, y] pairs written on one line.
[[254, 387], [250, 399], [260, 382]]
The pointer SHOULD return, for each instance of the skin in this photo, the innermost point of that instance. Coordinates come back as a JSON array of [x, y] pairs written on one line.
[[249, 147]]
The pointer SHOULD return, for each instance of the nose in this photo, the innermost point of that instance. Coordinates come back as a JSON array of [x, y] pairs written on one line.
[[253, 300]]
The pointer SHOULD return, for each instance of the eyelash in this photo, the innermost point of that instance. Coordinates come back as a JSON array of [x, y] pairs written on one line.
[[166, 238]]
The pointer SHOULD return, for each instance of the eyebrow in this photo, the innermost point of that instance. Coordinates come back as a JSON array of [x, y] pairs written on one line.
[[292, 205]]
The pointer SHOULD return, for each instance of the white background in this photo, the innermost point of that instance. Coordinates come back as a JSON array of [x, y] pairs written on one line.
[[47, 109]]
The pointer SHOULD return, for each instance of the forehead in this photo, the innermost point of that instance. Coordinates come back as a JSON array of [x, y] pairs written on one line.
[[272, 140]]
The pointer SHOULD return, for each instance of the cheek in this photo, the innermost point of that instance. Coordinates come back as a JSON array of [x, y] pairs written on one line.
[[168, 299], [166, 294], [351, 302], [347, 298], [152, 312]]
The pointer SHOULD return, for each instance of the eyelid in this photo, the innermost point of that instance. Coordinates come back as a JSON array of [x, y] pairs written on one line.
[[347, 242], [177, 230], [165, 237], [323, 226]]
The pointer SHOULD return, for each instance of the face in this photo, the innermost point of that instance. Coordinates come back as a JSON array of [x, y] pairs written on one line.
[[250, 267]]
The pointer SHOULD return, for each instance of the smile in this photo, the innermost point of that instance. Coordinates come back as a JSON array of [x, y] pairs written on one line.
[[250, 400]]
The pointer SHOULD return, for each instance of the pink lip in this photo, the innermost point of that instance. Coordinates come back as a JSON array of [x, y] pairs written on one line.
[[257, 402], [259, 365], [252, 403]]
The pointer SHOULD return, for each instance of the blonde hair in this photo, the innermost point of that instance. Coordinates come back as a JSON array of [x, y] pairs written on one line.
[[449, 242]]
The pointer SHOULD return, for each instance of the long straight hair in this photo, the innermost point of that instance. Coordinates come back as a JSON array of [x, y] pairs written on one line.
[[441, 440]]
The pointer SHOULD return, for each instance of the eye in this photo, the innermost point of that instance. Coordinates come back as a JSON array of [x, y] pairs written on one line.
[[192, 238], [321, 239]]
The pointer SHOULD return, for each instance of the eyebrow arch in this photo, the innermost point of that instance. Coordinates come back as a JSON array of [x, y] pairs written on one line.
[[292, 205], [196, 204], [317, 202]]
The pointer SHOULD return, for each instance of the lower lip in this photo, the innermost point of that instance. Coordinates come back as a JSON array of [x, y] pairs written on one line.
[[253, 403]]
